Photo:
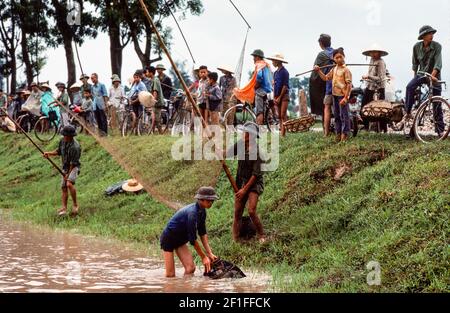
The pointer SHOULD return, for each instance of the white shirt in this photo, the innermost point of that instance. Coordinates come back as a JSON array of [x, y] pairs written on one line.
[[116, 95]]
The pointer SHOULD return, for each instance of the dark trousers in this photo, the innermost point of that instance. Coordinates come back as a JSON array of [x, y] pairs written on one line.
[[102, 122], [341, 116], [367, 98], [438, 115]]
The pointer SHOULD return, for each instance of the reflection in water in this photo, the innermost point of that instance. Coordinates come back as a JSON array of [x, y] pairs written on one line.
[[41, 260]]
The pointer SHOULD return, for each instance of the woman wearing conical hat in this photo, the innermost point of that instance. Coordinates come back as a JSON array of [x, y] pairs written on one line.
[[375, 78]]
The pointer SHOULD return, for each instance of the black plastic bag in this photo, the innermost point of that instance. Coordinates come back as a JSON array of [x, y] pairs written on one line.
[[115, 189], [221, 269]]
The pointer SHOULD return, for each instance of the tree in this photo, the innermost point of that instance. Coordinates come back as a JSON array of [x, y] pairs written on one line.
[[159, 10], [66, 34], [10, 38], [184, 73], [34, 31]]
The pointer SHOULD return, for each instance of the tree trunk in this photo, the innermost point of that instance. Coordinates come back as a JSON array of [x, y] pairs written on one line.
[[67, 34], [13, 72], [26, 58], [115, 46]]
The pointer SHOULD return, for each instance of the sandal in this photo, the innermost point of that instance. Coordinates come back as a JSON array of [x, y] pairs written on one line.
[[62, 212]]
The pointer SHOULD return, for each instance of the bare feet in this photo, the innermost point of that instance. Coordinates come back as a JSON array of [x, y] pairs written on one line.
[[338, 138], [75, 211], [262, 239]]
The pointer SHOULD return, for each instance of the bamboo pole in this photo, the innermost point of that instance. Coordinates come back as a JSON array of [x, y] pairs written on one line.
[[186, 89], [34, 144], [333, 65]]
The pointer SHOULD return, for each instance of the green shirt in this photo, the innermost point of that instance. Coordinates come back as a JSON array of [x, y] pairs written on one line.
[[427, 59], [70, 153], [156, 86]]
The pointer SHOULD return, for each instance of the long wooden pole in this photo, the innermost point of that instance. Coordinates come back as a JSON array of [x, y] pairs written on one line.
[[186, 89], [333, 65], [34, 144]]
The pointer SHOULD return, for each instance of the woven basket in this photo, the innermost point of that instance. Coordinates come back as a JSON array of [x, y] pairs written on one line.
[[302, 124], [378, 110]]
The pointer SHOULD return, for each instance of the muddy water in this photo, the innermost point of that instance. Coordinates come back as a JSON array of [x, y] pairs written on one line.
[[41, 260]]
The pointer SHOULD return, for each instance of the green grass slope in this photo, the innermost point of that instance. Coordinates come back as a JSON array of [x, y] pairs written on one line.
[[329, 210]]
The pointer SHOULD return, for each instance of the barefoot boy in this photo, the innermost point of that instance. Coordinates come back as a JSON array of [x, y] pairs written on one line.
[[183, 228], [70, 151]]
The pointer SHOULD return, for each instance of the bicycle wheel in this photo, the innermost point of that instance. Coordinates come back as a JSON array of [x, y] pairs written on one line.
[[25, 123], [75, 123], [45, 130], [182, 123], [129, 125], [432, 121], [239, 114]]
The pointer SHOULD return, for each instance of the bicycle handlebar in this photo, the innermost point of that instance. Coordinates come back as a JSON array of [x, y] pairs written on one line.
[[431, 76]]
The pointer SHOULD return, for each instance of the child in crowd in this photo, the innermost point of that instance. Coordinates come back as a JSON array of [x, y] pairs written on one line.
[[342, 87], [214, 98], [87, 105], [201, 91]]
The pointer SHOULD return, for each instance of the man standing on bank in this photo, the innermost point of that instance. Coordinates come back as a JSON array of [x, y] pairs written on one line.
[[183, 228], [70, 151], [281, 89], [427, 57], [249, 180], [321, 94]]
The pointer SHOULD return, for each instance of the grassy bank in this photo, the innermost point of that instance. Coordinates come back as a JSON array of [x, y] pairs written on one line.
[[329, 209]]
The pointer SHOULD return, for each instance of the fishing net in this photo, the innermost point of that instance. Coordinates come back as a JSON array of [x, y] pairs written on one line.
[[149, 160]]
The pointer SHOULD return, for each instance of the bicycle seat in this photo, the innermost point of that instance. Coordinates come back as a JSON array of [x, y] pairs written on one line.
[[357, 91]]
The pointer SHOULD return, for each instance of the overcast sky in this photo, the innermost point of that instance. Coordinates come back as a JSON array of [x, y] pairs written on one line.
[[291, 27]]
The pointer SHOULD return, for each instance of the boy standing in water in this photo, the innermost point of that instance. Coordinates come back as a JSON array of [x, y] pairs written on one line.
[[342, 87], [183, 228]]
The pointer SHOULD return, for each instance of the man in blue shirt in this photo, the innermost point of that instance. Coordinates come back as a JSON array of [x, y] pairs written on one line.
[[281, 89], [183, 228], [100, 95], [263, 86], [133, 94]]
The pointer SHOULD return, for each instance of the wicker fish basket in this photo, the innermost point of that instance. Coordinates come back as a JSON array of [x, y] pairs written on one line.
[[378, 110], [299, 125]]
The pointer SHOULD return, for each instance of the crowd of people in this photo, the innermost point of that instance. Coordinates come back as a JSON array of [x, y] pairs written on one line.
[[330, 89]]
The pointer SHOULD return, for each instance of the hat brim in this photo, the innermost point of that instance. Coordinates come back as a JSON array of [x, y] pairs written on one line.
[[69, 135], [434, 31], [368, 52], [161, 68], [209, 198], [278, 59], [129, 188], [258, 55], [225, 70]]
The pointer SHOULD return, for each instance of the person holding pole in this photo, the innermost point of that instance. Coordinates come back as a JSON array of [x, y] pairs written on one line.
[[70, 151]]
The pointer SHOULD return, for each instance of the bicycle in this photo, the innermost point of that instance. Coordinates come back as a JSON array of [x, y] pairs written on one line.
[[129, 122], [242, 113], [180, 117], [47, 127], [424, 124], [26, 121]]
